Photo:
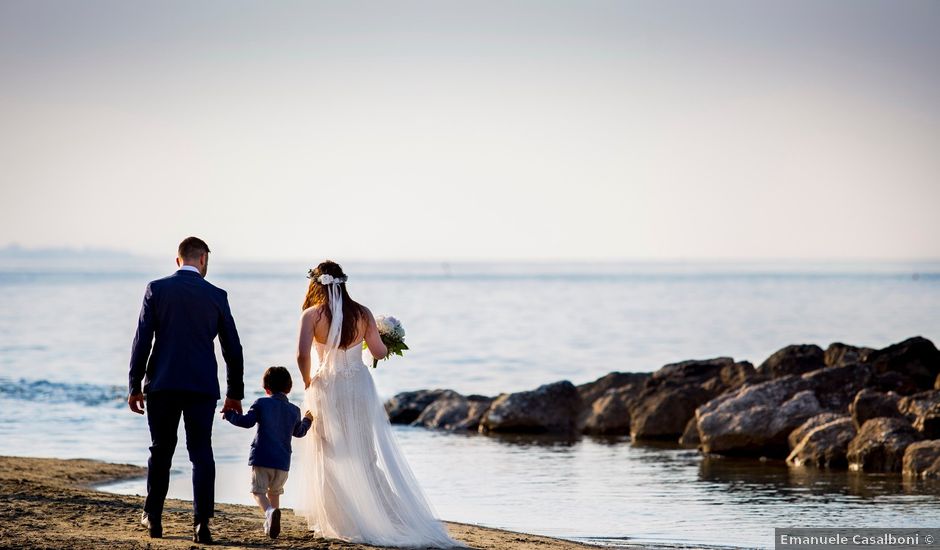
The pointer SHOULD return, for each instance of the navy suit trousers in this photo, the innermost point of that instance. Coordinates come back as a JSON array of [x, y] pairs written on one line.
[[164, 409]]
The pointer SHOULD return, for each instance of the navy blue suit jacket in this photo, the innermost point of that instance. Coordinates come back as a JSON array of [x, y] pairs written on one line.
[[180, 317]]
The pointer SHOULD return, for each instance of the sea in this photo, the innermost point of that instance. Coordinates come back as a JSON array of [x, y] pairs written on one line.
[[66, 326]]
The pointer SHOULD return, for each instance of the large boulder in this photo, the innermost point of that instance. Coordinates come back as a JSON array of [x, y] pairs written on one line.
[[610, 413], [606, 402], [824, 446], [836, 387], [455, 412], [915, 357], [880, 444], [839, 354], [800, 432], [794, 359], [928, 422], [922, 459], [671, 395], [870, 404], [757, 418], [405, 407], [893, 381], [663, 413], [551, 408], [592, 391], [689, 437], [916, 405]]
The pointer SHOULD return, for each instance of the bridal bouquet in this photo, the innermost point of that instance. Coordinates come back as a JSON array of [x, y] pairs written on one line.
[[392, 334]]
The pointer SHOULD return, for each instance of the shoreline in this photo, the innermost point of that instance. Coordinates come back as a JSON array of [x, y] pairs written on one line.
[[55, 503]]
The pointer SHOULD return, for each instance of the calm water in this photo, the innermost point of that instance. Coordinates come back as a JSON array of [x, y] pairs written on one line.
[[65, 334]]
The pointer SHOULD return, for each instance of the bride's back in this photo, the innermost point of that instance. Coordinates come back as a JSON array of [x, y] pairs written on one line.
[[322, 322]]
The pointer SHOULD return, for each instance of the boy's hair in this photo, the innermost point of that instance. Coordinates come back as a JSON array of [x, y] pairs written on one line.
[[277, 379]]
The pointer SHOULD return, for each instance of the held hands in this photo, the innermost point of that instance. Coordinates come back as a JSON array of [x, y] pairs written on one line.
[[309, 416], [232, 405], [136, 402]]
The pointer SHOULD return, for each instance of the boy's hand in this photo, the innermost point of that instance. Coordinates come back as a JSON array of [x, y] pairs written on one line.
[[232, 405], [309, 416]]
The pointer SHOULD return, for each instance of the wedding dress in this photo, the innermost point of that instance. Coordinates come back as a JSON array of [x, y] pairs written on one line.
[[357, 485]]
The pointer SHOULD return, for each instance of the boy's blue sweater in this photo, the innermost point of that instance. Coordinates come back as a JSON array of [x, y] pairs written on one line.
[[278, 420]]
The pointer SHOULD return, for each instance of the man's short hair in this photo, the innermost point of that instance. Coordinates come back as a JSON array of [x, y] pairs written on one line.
[[277, 379], [191, 248]]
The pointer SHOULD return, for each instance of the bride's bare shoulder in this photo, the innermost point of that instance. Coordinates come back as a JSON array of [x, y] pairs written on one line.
[[312, 314]]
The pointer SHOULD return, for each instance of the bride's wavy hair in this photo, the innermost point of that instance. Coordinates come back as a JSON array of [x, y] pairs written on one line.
[[318, 294]]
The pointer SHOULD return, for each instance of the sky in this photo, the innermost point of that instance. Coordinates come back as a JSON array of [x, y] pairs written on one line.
[[469, 130]]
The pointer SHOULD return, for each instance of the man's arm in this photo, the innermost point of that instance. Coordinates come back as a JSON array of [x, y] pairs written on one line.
[[234, 360], [140, 352]]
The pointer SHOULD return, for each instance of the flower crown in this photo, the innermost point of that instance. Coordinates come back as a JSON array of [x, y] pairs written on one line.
[[326, 278]]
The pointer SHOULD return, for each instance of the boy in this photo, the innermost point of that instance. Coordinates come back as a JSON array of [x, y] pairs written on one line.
[[278, 419]]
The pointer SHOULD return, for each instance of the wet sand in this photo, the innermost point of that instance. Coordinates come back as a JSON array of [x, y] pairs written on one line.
[[52, 503]]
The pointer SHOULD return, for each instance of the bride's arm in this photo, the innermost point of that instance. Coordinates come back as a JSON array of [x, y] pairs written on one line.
[[304, 343], [373, 340]]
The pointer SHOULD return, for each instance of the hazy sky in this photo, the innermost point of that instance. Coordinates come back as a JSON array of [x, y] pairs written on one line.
[[473, 129]]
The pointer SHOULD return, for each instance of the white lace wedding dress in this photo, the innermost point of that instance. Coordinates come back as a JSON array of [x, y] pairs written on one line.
[[357, 485]]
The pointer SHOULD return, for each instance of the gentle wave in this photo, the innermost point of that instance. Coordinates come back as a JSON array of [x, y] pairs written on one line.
[[59, 392]]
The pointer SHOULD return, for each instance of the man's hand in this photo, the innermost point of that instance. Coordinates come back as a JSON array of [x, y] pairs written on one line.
[[309, 416], [136, 402], [232, 405]]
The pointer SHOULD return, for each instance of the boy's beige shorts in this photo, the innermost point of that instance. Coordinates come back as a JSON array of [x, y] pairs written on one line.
[[267, 480]]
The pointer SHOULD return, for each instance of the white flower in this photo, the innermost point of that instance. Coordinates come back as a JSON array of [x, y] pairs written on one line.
[[390, 326], [325, 279]]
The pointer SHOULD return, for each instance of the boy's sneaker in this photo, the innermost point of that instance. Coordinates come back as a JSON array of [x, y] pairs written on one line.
[[275, 523]]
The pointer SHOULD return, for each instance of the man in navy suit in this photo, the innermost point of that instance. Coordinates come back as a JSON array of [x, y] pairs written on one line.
[[180, 318]]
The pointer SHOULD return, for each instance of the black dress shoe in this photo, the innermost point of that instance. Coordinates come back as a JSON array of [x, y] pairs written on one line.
[[153, 525], [201, 533]]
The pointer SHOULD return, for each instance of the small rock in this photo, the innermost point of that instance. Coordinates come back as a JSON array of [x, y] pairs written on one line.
[[794, 359], [870, 404], [880, 444], [839, 354], [922, 459], [800, 432], [824, 446]]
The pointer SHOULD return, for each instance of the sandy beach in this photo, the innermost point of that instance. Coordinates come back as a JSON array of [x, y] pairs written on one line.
[[52, 503]]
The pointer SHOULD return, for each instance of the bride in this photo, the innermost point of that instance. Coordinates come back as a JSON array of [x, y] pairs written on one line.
[[357, 485]]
